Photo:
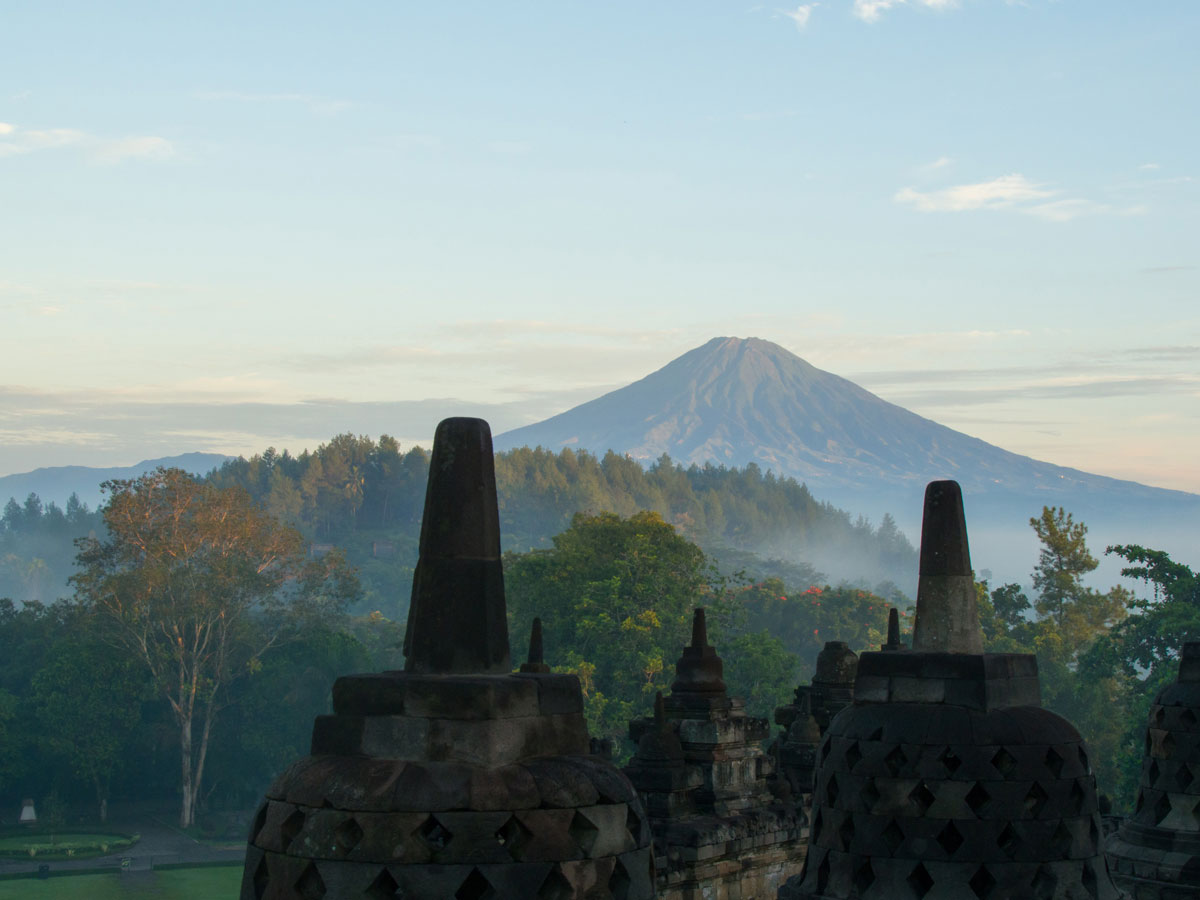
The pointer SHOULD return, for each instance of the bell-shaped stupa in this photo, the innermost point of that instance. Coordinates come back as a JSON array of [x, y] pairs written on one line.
[[1156, 853], [946, 780], [453, 778]]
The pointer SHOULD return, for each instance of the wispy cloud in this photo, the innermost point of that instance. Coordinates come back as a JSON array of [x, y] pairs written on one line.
[[998, 193], [1012, 192], [17, 141], [940, 163], [314, 102], [871, 10], [800, 15]]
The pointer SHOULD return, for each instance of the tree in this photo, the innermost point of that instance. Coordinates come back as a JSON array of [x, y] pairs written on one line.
[[87, 701], [616, 597], [197, 583], [1079, 613]]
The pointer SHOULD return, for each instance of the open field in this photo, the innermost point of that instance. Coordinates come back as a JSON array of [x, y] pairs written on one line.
[[209, 883]]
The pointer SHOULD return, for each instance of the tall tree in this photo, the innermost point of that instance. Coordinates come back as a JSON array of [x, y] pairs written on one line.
[[87, 701], [198, 583]]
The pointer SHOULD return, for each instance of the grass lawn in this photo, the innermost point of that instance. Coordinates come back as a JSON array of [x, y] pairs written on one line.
[[212, 883]]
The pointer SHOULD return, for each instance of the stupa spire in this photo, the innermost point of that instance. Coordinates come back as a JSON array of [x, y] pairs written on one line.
[[456, 622], [947, 616], [535, 661]]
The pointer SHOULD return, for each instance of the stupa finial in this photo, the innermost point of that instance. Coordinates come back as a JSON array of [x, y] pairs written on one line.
[[947, 616], [535, 662], [456, 623]]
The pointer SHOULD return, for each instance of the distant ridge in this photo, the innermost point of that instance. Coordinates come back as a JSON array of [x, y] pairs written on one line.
[[57, 483], [737, 401]]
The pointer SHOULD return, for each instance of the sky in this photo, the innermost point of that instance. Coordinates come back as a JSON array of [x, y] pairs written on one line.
[[227, 226]]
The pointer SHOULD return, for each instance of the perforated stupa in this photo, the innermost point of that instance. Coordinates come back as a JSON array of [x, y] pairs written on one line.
[[453, 778], [946, 780]]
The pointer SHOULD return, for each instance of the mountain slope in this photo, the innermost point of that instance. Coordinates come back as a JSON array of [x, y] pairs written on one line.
[[738, 401], [57, 483], [734, 402]]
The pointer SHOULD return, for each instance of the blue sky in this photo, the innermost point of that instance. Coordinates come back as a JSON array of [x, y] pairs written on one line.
[[223, 228]]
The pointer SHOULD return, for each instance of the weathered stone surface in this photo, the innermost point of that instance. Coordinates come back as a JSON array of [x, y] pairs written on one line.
[[458, 585], [1155, 855], [945, 779], [718, 831], [453, 778], [947, 618]]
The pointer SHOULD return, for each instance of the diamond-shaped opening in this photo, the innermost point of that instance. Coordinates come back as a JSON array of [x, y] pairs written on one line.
[[1162, 809], [310, 885], [853, 756], [1184, 777], [920, 880], [1061, 841], [922, 797], [826, 746], [895, 761], [1004, 762], [261, 877], [831, 790], [823, 874], [864, 877], [475, 887], [1168, 745], [893, 836], [1035, 801], [1160, 715], [1045, 884], [982, 883], [1141, 801], [291, 828], [435, 835], [512, 836], [1054, 762], [1149, 744], [1089, 880], [846, 833], [870, 794], [817, 823], [1008, 841], [619, 883], [876, 735], [260, 819], [950, 839], [1077, 797], [347, 835], [1084, 761], [583, 832], [1152, 772], [384, 887], [979, 801], [950, 760], [1188, 717], [633, 823], [555, 887]]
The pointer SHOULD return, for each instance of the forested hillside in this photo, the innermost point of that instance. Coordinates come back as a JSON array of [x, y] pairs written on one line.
[[366, 496]]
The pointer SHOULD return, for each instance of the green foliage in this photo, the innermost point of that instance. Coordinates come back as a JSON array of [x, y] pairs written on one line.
[[615, 597], [195, 582], [367, 497], [87, 701]]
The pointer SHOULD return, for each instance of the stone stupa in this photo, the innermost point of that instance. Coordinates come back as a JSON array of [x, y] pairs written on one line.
[[946, 780], [719, 833], [1156, 853], [454, 778]]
